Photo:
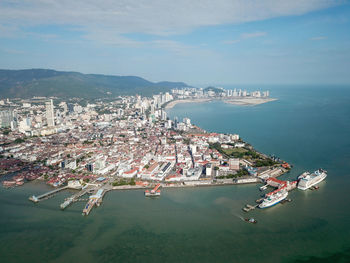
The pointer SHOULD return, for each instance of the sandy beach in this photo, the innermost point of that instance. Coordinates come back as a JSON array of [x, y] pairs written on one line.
[[171, 104], [243, 101], [249, 101]]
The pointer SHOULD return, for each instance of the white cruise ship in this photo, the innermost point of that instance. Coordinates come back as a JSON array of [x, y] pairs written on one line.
[[273, 199], [307, 180]]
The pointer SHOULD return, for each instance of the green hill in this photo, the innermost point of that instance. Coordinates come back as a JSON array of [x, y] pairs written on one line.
[[45, 82], [214, 89]]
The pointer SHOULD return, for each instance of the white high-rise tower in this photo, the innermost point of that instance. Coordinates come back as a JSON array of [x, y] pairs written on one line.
[[50, 117]]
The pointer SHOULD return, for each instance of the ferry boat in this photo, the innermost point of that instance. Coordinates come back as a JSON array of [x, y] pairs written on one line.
[[307, 180], [251, 220], [274, 198]]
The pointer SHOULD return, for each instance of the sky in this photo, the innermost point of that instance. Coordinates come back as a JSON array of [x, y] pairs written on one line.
[[200, 42]]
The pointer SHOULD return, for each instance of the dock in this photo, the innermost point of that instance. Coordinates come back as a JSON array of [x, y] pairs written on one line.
[[95, 199], [74, 198], [263, 188], [154, 192], [248, 207], [47, 195], [89, 206], [279, 184]]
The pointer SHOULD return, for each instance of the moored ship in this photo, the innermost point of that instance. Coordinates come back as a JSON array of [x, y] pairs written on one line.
[[307, 180], [273, 198]]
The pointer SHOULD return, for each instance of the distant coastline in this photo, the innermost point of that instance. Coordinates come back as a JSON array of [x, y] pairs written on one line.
[[249, 101], [246, 101]]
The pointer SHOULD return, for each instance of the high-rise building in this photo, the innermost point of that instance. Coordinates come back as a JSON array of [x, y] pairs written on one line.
[[7, 117], [77, 108], [70, 107], [176, 121], [50, 117], [90, 167], [168, 97], [64, 106], [120, 112], [187, 121], [163, 115], [208, 169]]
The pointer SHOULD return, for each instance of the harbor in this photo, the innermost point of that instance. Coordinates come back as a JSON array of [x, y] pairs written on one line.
[[278, 194], [74, 198], [199, 219], [96, 192]]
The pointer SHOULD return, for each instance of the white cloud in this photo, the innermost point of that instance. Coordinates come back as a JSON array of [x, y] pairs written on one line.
[[253, 35], [12, 51], [245, 36], [230, 42], [9, 30], [160, 17]]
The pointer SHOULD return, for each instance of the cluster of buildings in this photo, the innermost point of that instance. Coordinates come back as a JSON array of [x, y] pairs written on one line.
[[127, 137], [210, 92]]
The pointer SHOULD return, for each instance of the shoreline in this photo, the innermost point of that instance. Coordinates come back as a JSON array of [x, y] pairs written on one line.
[[236, 101], [172, 103], [249, 101]]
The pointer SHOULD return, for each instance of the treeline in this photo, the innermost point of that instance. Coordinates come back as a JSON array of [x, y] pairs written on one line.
[[239, 173], [124, 182]]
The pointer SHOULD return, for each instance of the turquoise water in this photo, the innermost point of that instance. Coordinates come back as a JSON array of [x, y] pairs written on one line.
[[308, 127]]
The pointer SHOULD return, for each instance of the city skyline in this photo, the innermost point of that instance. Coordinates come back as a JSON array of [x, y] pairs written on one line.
[[200, 43]]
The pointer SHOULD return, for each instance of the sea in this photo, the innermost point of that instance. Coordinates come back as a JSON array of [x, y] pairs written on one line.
[[308, 126]]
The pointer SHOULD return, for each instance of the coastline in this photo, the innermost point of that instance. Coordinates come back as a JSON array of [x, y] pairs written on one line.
[[172, 103], [247, 101]]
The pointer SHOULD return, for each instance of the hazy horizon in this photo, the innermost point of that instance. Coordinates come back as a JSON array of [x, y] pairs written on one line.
[[204, 85]]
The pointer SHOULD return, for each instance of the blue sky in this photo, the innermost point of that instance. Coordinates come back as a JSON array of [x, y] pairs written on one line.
[[199, 42]]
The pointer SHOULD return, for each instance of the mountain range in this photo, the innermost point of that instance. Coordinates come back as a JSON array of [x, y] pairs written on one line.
[[27, 83]]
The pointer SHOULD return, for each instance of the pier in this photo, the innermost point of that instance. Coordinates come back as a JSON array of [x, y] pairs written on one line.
[[95, 199], [39, 198], [263, 188], [89, 206], [279, 184], [74, 198], [248, 207], [154, 192]]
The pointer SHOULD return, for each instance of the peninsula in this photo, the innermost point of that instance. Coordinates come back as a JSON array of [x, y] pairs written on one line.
[[117, 144]]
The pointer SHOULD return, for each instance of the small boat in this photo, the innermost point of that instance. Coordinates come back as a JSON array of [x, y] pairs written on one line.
[[246, 209], [262, 188], [259, 200], [251, 220]]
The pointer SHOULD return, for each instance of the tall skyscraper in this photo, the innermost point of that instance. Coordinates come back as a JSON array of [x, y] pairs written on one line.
[[163, 115], [6, 117], [50, 117]]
